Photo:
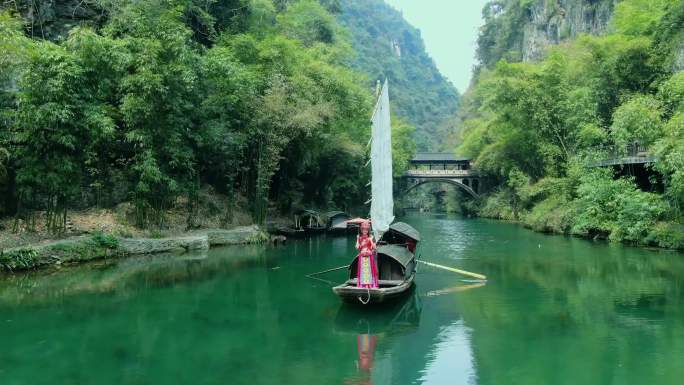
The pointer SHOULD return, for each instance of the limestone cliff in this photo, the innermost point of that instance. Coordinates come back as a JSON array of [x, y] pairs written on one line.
[[520, 30], [52, 19], [549, 22]]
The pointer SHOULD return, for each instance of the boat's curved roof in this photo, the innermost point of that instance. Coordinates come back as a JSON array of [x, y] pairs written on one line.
[[397, 252], [406, 230], [305, 212], [332, 214]]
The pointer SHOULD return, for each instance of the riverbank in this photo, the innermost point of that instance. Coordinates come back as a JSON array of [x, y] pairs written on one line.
[[101, 233], [572, 219], [100, 245]]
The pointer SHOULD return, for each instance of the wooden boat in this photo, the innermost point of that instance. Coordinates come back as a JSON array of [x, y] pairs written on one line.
[[337, 223], [284, 229], [396, 268], [395, 259]]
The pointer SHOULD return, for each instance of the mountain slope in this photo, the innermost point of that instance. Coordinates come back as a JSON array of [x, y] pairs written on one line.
[[388, 46]]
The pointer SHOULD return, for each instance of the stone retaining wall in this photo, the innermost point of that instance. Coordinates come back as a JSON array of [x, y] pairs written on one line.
[[84, 248]]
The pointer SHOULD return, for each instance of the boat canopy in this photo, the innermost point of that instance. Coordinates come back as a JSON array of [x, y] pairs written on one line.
[[406, 230], [333, 214], [337, 219], [310, 216], [305, 212], [399, 253]]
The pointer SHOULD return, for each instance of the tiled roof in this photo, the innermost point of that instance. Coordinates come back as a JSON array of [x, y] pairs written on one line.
[[438, 157]]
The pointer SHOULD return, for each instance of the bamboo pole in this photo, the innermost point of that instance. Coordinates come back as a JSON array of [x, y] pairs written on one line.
[[455, 289], [459, 271], [327, 271]]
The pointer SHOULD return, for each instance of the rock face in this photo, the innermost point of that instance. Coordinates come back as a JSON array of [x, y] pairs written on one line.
[[679, 59], [199, 241], [550, 22], [163, 245], [50, 19], [237, 236], [518, 30]]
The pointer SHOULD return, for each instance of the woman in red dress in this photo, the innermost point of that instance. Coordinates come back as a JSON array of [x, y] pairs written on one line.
[[366, 268]]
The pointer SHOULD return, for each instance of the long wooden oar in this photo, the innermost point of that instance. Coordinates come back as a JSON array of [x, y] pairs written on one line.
[[459, 271]]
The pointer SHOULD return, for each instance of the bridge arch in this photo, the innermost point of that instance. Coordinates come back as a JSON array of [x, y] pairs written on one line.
[[437, 167], [453, 182]]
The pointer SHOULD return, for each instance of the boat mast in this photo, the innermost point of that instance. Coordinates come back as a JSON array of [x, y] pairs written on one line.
[[382, 200]]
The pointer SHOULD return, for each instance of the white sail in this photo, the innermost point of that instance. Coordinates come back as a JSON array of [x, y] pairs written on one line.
[[382, 201]]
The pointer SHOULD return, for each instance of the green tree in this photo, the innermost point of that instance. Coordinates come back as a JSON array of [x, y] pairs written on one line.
[[158, 98], [308, 22], [50, 133], [670, 152], [403, 146], [638, 17], [538, 128], [638, 120], [615, 207]]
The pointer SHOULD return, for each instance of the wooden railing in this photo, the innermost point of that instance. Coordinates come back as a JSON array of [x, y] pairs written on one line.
[[633, 153], [441, 173]]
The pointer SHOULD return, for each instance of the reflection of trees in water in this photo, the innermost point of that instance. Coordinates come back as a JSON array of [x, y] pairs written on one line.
[[612, 313], [124, 275]]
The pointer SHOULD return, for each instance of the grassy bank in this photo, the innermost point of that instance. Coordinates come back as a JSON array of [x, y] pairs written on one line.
[[73, 250]]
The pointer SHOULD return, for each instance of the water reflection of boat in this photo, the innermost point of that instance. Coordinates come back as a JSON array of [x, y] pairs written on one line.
[[396, 268], [396, 317], [370, 328]]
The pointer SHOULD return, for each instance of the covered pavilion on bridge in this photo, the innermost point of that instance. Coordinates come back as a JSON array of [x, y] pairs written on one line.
[[431, 167], [439, 161]]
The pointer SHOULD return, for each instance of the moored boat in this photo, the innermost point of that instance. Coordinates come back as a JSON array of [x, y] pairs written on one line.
[[309, 221], [337, 223], [290, 232]]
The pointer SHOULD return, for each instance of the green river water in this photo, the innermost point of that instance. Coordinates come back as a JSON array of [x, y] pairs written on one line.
[[555, 310]]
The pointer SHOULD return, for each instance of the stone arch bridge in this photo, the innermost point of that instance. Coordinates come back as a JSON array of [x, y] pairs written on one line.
[[437, 167]]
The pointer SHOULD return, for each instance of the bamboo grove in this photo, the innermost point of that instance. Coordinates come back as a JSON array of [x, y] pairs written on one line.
[[150, 101]]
